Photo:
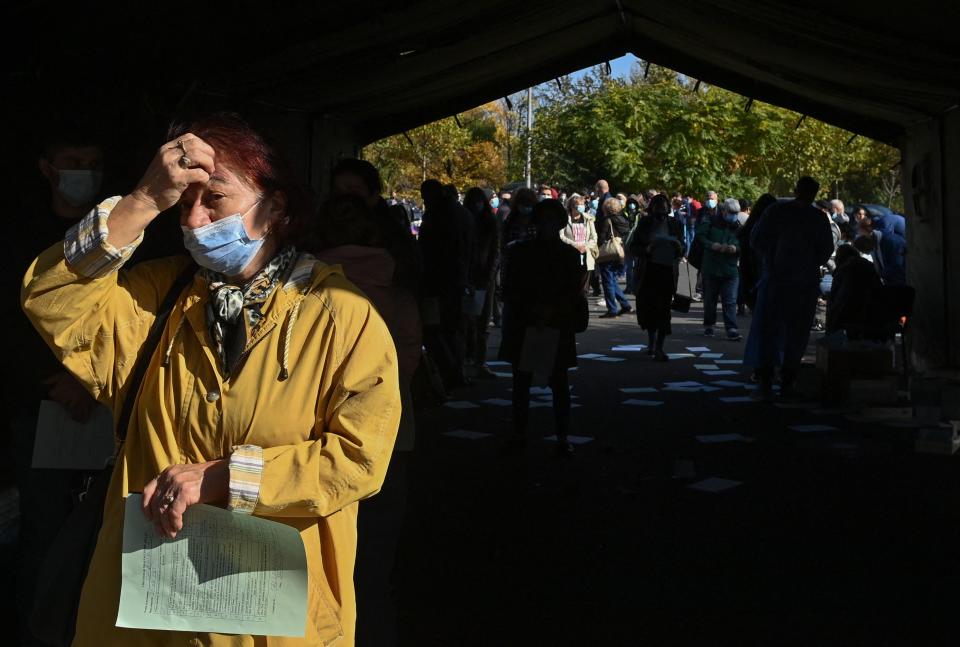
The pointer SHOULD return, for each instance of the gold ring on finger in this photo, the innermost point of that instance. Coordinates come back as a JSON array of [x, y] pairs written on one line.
[[169, 499], [184, 162]]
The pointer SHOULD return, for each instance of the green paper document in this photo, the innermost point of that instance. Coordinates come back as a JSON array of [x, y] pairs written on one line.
[[224, 573]]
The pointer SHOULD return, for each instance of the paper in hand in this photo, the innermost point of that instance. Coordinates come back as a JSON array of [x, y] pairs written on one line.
[[224, 573]]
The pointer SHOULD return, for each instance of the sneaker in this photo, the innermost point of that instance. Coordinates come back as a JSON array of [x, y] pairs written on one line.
[[734, 335], [609, 315], [602, 303], [708, 332], [626, 310], [696, 298]]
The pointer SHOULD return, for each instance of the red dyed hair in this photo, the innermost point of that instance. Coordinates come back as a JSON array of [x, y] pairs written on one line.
[[242, 149]]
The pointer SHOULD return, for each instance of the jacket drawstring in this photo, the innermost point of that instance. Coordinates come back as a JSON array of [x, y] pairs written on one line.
[[288, 333], [173, 340]]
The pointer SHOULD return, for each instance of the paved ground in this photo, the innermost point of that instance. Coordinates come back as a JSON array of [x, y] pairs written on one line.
[[830, 537], [842, 537]]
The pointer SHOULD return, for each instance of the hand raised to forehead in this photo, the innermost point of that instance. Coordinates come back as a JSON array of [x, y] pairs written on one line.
[[176, 165]]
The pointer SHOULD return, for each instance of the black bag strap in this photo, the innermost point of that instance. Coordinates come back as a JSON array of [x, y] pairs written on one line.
[[149, 346]]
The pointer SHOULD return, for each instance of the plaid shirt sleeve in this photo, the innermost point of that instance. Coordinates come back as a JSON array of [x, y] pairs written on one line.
[[246, 471], [86, 248]]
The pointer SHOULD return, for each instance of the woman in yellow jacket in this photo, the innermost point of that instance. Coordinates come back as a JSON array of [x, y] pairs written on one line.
[[274, 389]]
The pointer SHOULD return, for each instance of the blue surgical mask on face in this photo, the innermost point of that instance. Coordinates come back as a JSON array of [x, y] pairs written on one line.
[[730, 217], [495, 202], [79, 187], [595, 203], [581, 208], [712, 203], [222, 246]]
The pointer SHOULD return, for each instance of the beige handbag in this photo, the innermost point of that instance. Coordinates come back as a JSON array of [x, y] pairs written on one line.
[[612, 250]]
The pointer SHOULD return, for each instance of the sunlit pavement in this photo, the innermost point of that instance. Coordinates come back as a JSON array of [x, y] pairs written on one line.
[[837, 535]]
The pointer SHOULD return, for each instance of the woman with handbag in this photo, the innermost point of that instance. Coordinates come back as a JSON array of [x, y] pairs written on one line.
[[657, 243], [273, 390], [612, 229], [581, 233], [543, 299]]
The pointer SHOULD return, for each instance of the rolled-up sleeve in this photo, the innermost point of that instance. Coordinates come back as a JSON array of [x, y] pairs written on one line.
[[85, 246]]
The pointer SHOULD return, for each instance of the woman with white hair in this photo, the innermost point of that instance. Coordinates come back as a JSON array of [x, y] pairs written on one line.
[[580, 232], [720, 271]]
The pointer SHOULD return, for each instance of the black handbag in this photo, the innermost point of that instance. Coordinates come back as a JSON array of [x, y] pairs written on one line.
[[681, 302], [60, 579]]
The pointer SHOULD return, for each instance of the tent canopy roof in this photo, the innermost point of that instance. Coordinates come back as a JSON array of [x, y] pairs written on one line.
[[386, 66]]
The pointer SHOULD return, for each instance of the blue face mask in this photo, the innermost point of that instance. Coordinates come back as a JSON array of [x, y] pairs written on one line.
[[730, 217], [222, 246], [712, 203], [595, 203], [79, 188], [494, 202], [581, 208]]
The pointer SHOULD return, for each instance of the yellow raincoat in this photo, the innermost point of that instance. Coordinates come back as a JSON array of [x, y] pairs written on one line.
[[327, 431]]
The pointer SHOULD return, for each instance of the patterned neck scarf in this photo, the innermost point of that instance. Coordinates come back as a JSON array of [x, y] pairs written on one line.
[[233, 313]]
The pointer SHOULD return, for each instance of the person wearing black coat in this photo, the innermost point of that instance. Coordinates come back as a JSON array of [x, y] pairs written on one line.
[[611, 222], [542, 292], [446, 246], [483, 267], [658, 245]]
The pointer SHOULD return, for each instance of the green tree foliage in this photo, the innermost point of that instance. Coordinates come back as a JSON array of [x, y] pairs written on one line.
[[655, 130]]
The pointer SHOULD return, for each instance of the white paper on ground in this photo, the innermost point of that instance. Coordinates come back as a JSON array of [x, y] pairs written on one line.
[[719, 373], [461, 404], [62, 443], [687, 383], [714, 484], [537, 405], [805, 429], [691, 389], [737, 399], [609, 359], [642, 403], [573, 440], [635, 348], [497, 362], [540, 390], [679, 355], [539, 351], [466, 435], [728, 383], [754, 387], [698, 349], [498, 374], [638, 389], [728, 361], [497, 402], [711, 355], [724, 438], [590, 356], [705, 367]]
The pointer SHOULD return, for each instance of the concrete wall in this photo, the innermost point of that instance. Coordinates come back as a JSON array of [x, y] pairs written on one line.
[[931, 175]]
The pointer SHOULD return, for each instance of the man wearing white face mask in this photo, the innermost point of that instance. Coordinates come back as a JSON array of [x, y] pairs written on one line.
[[71, 166]]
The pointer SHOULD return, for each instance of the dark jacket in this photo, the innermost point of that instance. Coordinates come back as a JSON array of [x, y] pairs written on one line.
[[486, 250], [621, 227], [643, 237], [855, 286], [794, 240], [716, 263], [398, 240], [446, 246]]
